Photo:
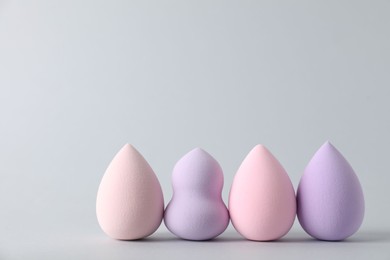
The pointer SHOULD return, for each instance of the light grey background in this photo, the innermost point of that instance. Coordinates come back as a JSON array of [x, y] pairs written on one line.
[[79, 79]]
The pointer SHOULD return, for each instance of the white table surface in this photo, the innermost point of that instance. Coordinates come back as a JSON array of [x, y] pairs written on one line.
[[365, 244]]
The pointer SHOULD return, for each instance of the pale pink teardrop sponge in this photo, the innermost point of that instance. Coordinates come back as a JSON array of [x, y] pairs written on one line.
[[130, 202], [262, 202]]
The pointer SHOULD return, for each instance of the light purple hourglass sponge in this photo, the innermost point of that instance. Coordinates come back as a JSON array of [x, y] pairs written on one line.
[[196, 210], [330, 198]]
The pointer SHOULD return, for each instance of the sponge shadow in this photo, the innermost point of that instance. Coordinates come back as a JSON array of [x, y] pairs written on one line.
[[291, 238]]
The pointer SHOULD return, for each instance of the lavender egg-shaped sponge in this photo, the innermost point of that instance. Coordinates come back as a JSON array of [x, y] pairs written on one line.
[[196, 210], [330, 198], [130, 202], [262, 202]]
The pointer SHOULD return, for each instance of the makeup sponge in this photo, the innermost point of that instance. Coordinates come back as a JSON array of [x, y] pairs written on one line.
[[330, 198], [262, 201], [130, 202], [196, 210]]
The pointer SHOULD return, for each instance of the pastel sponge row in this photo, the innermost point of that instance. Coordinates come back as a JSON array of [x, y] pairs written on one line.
[[262, 202]]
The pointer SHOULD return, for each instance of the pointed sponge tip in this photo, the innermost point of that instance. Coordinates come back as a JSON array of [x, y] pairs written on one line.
[[260, 148]]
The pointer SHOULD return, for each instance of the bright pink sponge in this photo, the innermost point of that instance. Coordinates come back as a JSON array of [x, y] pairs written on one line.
[[262, 201]]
